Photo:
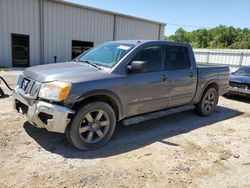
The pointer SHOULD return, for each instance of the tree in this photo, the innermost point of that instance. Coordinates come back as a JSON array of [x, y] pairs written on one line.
[[217, 37], [180, 36]]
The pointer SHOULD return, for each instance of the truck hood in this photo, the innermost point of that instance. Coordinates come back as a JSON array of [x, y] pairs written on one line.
[[240, 79], [69, 71]]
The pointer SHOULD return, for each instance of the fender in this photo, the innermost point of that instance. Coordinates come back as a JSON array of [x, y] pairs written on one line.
[[198, 98], [107, 93]]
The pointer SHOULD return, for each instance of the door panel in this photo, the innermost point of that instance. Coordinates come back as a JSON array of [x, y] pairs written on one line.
[[146, 92], [183, 87], [20, 50], [182, 75]]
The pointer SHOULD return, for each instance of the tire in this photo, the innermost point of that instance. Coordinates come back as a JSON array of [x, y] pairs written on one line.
[[67, 134], [208, 102], [92, 126]]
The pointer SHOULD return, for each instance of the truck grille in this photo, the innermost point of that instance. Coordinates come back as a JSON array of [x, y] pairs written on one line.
[[25, 84], [239, 85], [28, 87]]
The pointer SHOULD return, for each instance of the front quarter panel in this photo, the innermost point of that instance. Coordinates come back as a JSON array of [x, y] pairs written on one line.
[[110, 87]]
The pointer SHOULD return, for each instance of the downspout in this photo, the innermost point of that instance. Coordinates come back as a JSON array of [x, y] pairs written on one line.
[[159, 33], [41, 31], [114, 28]]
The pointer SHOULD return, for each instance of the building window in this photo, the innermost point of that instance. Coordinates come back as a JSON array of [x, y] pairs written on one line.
[[78, 47], [20, 50]]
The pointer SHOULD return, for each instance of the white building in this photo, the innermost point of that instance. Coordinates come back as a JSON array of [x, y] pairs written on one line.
[[36, 32]]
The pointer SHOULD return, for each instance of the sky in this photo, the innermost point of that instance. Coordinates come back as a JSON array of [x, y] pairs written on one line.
[[192, 14]]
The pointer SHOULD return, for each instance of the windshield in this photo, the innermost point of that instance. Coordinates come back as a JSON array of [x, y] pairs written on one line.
[[243, 71], [106, 55]]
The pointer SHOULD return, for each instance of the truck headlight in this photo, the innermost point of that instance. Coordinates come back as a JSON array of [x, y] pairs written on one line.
[[56, 91]]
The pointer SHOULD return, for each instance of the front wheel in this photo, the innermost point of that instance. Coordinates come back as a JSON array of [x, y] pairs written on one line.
[[92, 126], [208, 102]]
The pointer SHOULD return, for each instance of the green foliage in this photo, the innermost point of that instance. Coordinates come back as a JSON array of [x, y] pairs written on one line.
[[218, 37]]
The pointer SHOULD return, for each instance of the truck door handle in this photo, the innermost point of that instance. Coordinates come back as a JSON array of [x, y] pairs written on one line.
[[163, 77]]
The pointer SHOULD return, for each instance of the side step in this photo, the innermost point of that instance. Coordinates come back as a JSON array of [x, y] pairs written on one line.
[[155, 115]]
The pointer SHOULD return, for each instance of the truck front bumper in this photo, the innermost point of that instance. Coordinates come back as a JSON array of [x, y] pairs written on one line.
[[42, 114]]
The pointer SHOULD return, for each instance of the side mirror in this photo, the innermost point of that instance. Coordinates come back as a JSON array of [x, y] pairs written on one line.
[[138, 66]]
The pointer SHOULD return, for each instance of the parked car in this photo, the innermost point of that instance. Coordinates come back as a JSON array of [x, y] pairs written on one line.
[[121, 81], [239, 82]]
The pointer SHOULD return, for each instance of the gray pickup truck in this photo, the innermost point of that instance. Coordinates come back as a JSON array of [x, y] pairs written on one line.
[[121, 81]]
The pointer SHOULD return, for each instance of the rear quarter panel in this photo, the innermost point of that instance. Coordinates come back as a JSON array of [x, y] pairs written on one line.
[[207, 75]]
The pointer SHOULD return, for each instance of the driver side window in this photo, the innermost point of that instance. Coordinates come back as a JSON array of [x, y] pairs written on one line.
[[152, 56]]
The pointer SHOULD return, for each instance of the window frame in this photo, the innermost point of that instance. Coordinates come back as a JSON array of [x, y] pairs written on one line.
[[165, 58]]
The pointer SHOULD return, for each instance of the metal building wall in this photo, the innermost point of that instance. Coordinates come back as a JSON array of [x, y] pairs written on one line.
[[53, 24], [64, 23], [19, 17], [129, 28]]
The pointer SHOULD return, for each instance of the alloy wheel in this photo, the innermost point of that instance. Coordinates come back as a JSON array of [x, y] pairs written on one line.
[[209, 102], [94, 126]]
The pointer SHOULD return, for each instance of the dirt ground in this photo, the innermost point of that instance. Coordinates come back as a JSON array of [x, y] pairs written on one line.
[[181, 150]]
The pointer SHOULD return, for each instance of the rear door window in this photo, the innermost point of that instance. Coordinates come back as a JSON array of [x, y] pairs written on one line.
[[177, 57]]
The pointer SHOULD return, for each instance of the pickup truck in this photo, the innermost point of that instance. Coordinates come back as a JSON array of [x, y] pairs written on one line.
[[123, 82]]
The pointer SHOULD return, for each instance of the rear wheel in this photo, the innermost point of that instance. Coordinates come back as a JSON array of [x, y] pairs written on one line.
[[208, 102], [92, 126]]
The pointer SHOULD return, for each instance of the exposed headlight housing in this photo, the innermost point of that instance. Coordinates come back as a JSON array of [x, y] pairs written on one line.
[[55, 91], [19, 80]]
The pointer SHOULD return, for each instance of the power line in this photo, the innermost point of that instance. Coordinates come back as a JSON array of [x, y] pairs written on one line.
[[193, 26]]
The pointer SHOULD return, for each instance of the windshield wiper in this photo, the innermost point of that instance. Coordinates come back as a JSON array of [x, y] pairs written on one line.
[[89, 63]]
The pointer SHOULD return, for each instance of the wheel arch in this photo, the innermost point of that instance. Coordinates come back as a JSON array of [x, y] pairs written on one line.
[[210, 84], [104, 96], [213, 85]]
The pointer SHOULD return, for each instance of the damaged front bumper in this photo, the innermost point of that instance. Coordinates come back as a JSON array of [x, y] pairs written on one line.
[[54, 118]]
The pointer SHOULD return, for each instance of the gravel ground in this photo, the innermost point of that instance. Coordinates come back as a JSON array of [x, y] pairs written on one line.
[[181, 150]]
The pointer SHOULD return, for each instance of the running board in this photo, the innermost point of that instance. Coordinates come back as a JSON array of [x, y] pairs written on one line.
[[155, 115]]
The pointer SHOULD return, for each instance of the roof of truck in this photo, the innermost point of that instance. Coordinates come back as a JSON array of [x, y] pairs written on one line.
[[139, 42]]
